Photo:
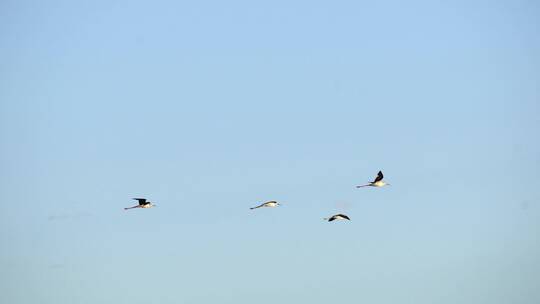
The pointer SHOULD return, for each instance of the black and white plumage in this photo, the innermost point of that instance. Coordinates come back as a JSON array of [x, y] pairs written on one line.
[[143, 203], [377, 182], [337, 217], [379, 177], [270, 204]]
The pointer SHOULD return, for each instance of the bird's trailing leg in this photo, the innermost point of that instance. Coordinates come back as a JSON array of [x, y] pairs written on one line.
[[138, 206], [366, 185]]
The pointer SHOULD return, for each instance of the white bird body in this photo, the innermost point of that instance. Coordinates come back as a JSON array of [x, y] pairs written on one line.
[[377, 182], [270, 204], [143, 203], [337, 217]]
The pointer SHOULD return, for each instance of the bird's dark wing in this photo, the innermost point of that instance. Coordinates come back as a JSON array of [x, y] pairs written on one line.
[[344, 216], [332, 218], [142, 201], [379, 177]]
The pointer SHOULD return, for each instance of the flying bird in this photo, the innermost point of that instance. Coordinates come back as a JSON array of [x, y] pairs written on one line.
[[143, 203], [337, 217], [270, 204], [377, 182]]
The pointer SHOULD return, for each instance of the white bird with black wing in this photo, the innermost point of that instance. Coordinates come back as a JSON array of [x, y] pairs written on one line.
[[270, 204], [377, 182], [337, 217], [143, 203]]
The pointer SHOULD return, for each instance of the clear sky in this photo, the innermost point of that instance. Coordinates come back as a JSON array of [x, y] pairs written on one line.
[[211, 107]]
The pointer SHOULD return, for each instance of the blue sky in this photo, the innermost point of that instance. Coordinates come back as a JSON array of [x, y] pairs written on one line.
[[211, 107]]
